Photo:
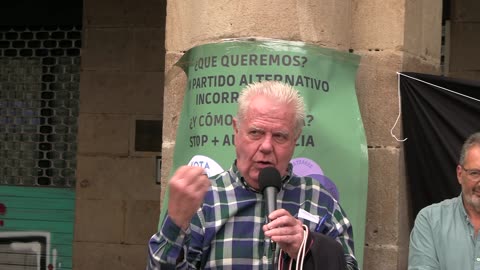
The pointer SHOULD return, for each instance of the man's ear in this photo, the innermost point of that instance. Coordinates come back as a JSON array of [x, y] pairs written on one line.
[[235, 127], [298, 135], [459, 174]]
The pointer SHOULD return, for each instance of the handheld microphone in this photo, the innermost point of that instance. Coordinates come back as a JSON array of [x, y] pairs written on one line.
[[270, 182]]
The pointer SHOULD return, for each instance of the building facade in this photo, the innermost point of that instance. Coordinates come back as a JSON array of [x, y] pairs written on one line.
[[129, 95]]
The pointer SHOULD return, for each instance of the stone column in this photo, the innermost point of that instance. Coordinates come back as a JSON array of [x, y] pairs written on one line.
[[390, 36]]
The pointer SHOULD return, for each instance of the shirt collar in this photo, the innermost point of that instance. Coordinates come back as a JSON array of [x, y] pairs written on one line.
[[461, 207], [236, 174]]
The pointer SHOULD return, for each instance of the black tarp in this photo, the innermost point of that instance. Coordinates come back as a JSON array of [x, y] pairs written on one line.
[[438, 114]]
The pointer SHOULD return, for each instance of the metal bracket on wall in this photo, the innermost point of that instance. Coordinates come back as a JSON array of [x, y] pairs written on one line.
[[158, 170]]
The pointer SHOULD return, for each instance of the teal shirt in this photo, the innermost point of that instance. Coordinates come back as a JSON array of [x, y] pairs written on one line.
[[443, 238]]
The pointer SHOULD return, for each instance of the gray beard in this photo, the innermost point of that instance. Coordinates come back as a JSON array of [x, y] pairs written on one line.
[[473, 203]]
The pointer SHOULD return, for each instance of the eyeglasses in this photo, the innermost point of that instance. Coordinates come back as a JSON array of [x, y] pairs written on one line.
[[473, 174]]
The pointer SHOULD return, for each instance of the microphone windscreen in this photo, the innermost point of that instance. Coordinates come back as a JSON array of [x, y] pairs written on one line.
[[269, 177]]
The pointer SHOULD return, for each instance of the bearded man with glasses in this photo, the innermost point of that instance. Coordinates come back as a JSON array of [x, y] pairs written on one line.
[[445, 234]]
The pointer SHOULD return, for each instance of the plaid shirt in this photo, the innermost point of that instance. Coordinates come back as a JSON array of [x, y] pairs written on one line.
[[226, 232]]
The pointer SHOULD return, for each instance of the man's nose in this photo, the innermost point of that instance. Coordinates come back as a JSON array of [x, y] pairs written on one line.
[[267, 143]]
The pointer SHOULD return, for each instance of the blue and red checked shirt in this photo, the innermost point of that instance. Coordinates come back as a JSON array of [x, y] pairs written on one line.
[[226, 232]]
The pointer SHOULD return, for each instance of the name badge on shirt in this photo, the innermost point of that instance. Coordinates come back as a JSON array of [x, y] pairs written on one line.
[[306, 215]]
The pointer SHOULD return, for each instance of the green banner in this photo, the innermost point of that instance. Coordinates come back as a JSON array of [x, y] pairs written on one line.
[[333, 140]]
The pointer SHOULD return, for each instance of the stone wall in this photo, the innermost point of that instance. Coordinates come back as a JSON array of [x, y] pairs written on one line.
[[122, 78], [463, 39]]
